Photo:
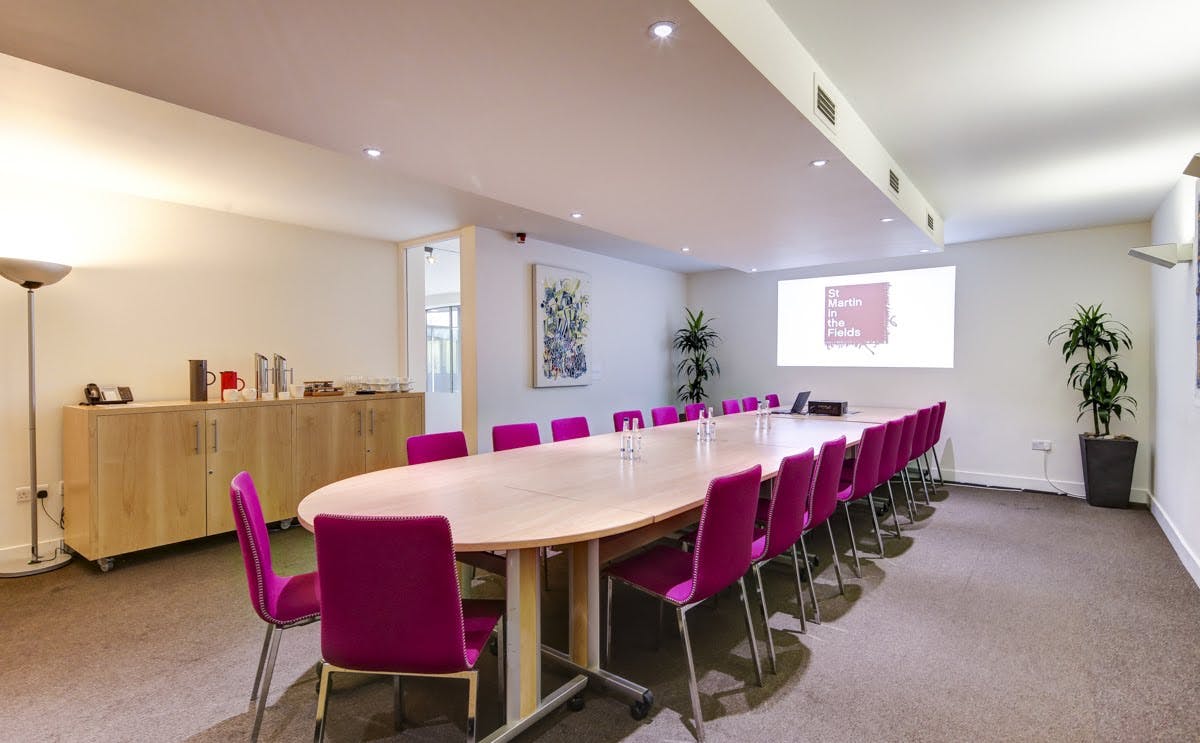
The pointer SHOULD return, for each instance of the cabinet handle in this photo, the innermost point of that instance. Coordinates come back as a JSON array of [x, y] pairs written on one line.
[[214, 436], [196, 425], [371, 430], [360, 423]]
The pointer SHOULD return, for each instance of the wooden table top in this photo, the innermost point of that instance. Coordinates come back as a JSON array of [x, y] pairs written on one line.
[[573, 491], [858, 414]]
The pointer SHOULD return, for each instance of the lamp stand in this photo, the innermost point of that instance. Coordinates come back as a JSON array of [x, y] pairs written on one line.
[[15, 567]]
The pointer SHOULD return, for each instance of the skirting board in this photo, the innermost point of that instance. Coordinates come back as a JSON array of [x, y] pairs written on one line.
[[1187, 555], [1138, 495], [45, 547]]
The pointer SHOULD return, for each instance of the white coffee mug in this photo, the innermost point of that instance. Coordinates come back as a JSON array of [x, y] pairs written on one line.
[[297, 390], [231, 395], [250, 393]]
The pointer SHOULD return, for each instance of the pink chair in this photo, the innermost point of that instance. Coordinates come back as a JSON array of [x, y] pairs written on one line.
[[664, 416], [823, 504], [692, 412], [863, 479], [935, 435], [749, 403], [620, 416], [729, 407], [786, 512], [434, 447], [564, 429], [720, 559], [887, 463], [772, 400], [920, 432], [392, 605], [515, 436], [280, 601]]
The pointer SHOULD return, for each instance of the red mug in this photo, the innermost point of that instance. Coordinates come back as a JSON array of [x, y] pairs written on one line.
[[230, 380]]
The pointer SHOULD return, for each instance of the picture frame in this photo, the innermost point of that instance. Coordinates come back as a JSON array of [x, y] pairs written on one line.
[[562, 322]]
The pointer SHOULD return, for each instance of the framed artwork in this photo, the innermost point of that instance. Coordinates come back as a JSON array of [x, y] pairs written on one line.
[[562, 318], [1196, 278]]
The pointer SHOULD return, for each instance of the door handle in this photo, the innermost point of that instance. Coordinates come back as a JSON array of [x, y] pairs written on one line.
[[360, 423], [371, 430], [196, 426], [214, 436]]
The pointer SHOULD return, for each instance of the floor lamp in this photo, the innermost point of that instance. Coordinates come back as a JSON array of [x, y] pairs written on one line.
[[32, 275]]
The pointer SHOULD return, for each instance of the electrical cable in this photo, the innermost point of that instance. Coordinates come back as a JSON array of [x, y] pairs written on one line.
[[1046, 474]]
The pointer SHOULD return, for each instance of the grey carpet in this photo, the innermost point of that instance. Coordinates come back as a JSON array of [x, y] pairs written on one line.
[[1000, 616]]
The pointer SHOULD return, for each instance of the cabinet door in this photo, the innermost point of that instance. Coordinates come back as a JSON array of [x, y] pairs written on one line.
[[255, 439], [150, 480], [329, 443], [389, 424]]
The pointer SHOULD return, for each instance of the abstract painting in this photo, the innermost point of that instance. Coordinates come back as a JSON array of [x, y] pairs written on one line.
[[562, 317]]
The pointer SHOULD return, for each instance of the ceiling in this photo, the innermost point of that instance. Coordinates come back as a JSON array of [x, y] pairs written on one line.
[[1020, 116], [510, 115]]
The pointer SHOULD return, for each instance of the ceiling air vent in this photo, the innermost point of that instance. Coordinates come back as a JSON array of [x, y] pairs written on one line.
[[826, 107], [894, 181], [929, 221]]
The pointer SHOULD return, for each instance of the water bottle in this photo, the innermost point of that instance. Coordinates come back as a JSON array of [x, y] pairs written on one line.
[[701, 426], [635, 442], [624, 438]]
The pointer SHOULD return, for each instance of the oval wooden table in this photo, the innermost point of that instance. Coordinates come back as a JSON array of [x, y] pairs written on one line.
[[580, 496]]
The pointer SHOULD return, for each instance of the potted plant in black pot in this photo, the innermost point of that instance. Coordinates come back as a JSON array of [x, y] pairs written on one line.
[[1107, 459], [696, 341]]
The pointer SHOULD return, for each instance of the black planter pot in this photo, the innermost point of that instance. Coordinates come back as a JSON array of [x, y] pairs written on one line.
[[1107, 470]]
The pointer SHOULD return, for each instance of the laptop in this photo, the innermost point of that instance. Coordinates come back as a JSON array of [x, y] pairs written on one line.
[[798, 406]]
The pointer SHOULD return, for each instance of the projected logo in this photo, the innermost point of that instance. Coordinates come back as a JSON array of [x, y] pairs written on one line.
[[856, 315]]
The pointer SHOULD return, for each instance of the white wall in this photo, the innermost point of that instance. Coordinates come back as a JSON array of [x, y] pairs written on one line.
[[1177, 415], [635, 311], [156, 284], [1007, 386]]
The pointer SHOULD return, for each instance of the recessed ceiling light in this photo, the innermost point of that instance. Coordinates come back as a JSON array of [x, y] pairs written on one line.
[[373, 152], [686, 249], [662, 29], [819, 163], [888, 219], [576, 215], [924, 250], [754, 270]]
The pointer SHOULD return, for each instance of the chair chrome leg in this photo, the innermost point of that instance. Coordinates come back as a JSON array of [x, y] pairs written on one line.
[[799, 588], [941, 479], [853, 547], [608, 625], [500, 665], [906, 481], [472, 690], [837, 563], [658, 635], [875, 520], [262, 661], [750, 631], [693, 688], [762, 599], [265, 689], [921, 474], [895, 513], [812, 582], [397, 703], [322, 702]]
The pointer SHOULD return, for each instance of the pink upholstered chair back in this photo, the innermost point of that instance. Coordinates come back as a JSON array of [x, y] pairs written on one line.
[[906, 439], [723, 541], [891, 449], [749, 403], [664, 416], [729, 407], [789, 503], [866, 462], [935, 425], [563, 429], [620, 416], [825, 482], [265, 586], [772, 400], [389, 594], [920, 431], [692, 412], [434, 447], [515, 436]]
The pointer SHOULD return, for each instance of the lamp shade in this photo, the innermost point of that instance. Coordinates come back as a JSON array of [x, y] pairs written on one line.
[[32, 274]]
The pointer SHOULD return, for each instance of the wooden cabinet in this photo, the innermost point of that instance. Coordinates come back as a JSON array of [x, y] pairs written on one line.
[[258, 440], [148, 474]]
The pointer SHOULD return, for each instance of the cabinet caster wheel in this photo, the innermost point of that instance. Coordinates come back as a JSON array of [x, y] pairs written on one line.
[[575, 703], [285, 524], [105, 564], [639, 710]]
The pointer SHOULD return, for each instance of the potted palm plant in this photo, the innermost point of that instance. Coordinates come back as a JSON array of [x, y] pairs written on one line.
[[696, 341], [1107, 459]]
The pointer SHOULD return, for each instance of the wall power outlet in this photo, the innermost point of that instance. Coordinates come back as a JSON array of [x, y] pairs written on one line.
[[23, 492], [1041, 444]]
